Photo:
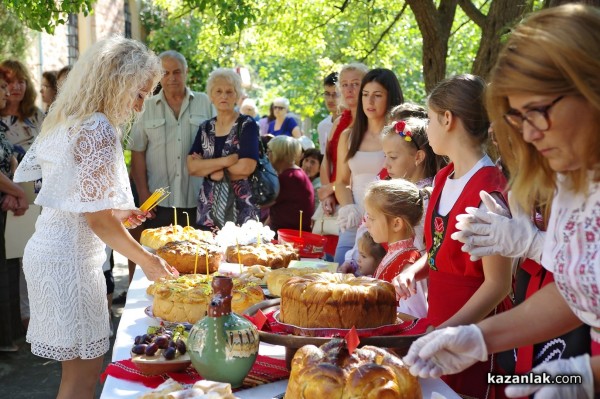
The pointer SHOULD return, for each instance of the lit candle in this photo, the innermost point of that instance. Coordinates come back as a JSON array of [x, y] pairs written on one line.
[[300, 223], [175, 216], [188, 218], [207, 272], [196, 261]]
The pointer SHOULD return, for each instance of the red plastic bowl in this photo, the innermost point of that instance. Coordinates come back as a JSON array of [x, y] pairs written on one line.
[[309, 245]]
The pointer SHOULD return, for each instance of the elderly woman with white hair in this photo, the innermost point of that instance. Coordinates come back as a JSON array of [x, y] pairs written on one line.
[[295, 188], [283, 124], [225, 153]]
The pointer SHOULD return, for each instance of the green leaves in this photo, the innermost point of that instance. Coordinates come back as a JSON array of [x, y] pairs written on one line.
[[13, 35], [45, 15], [290, 45]]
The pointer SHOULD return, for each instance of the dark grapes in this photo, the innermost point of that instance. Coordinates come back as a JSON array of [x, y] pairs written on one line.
[[181, 346], [162, 341], [139, 349], [139, 340], [169, 353], [151, 349]]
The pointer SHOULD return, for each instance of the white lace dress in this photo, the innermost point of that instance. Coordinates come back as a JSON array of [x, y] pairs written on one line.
[[83, 170]]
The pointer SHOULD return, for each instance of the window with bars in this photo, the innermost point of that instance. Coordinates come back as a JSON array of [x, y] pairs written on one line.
[[72, 38], [127, 15]]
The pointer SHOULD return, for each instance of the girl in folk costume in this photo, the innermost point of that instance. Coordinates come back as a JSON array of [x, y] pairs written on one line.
[[370, 255], [461, 291], [393, 209], [408, 155]]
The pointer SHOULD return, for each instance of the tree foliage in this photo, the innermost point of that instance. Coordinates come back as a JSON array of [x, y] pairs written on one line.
[[290, 45], [13, 36], [45, 15]]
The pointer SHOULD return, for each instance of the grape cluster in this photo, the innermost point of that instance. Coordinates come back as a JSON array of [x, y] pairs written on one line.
[[170, 341]]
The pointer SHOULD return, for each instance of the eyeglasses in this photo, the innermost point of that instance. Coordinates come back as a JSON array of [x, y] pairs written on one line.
[[278, 107], [537, 118], [327, 94]]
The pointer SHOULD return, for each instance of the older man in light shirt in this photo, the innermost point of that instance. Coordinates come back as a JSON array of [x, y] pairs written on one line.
[[161, 139], [159, 144]]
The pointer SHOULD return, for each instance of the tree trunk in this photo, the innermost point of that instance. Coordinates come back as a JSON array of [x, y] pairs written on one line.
[[502, 15], [435, 25]]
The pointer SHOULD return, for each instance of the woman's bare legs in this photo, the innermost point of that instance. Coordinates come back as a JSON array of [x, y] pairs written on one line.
[[79, 378]]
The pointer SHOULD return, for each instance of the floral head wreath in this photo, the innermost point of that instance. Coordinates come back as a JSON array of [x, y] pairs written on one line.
[[400, 127]]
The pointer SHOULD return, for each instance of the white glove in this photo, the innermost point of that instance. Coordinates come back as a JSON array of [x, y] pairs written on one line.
[[494, 232], [349, 216], [446, 351], [579, 365]]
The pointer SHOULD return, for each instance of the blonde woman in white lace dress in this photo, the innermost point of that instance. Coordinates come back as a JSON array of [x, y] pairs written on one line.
[[85, 197]]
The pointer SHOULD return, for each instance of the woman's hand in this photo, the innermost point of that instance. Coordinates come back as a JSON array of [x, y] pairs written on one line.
[[17, 204], [134, 217], [328, 205], [574, 366], [347, 267], [495, 232], [446, 351], [158, 268], [217, 176], [325, 191], [349, 217], [230, 160]]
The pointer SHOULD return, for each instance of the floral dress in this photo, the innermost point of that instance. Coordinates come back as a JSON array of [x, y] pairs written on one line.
[[225, 200], [84, 171]]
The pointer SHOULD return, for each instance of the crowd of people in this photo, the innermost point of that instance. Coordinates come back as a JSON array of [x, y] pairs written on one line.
[[476, 247]]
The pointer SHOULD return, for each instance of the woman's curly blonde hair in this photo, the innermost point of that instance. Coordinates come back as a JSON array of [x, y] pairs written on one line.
[[106, 79]]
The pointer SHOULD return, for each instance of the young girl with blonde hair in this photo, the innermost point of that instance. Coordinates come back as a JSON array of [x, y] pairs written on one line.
[[393, 210]]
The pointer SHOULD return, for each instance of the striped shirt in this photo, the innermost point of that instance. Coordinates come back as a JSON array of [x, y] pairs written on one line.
[[167, 141]]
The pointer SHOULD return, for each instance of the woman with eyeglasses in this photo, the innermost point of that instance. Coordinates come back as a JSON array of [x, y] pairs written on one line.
[[360, 154], [283, 124], [545, 103]]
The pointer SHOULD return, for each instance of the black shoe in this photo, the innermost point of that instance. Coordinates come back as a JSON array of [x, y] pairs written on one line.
[[120, 300]]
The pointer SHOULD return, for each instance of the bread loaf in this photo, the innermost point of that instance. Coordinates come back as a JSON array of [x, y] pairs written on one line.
[[276, 278], [156, 238], [273, 255], [336, 300], [186, 298], [182, 256], [331, 372]]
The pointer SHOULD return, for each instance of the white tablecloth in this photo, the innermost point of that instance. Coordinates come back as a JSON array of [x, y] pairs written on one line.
[[135, 322]]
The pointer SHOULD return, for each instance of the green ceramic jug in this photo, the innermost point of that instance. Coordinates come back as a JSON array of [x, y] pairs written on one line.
[[223, 346]]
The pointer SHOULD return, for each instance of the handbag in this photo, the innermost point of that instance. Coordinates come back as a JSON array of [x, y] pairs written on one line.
[[264, 181], [323, 224]]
